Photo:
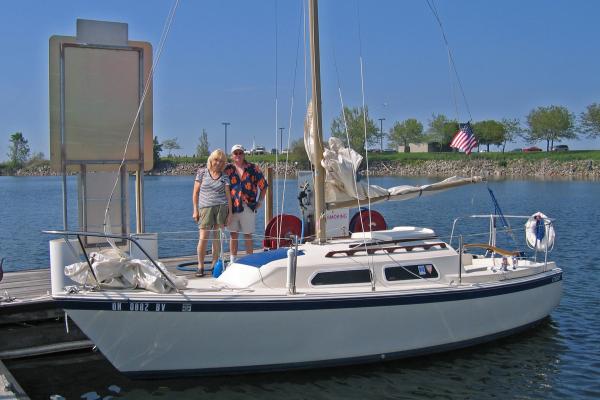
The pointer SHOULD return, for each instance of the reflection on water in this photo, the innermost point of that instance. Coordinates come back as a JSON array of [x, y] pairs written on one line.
[[524, 366]]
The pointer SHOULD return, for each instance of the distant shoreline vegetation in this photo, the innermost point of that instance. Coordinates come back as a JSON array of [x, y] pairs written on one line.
[[551, 124], [578, 164]]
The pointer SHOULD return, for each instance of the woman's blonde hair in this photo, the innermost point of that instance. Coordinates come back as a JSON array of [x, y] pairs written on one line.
[[215, 156]]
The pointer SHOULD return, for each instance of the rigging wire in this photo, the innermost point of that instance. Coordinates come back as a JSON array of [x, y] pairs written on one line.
[[435, 13], [364, 110], [278, 220], [354, 172], [304, 22], [147, 84], [287, 156]]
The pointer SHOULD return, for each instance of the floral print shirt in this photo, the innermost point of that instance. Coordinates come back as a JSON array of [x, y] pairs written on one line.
[[244, 189]]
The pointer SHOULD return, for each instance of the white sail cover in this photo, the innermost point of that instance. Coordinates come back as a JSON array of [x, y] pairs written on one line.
[[343, 190], [115, 272], [341, 164]]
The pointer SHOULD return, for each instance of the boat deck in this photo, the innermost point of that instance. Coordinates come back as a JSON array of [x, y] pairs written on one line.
[[29, 290]]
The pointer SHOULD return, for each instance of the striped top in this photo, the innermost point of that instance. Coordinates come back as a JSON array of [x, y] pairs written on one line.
[[212, 191]]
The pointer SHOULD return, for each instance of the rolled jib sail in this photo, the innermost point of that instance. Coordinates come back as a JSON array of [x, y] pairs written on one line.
[[342, 189]]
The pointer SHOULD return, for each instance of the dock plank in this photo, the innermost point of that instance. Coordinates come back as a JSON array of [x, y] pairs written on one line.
[[10, 388]]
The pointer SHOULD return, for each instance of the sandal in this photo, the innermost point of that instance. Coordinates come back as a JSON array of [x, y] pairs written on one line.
[[199, 274]]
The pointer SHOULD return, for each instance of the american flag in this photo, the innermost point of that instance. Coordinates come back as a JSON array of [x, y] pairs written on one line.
[[464, 139]]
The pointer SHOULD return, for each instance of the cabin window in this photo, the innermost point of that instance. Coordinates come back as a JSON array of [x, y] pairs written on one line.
[[341, 277], [408, 272]]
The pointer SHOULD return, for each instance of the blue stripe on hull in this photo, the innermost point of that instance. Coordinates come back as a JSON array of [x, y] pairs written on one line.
[[295, 303], [330, 363]]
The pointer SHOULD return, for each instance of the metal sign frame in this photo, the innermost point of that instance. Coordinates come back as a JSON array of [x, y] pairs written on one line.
[[137, 162]]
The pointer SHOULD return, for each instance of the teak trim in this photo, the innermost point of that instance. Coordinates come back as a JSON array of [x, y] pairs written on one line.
[[370, 250]]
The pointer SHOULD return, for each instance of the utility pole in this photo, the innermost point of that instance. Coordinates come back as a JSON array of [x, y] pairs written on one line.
[[381, 131], [281, 140], [226, 124]]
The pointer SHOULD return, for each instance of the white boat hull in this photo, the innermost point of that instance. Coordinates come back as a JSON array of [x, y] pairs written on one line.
[[232, 336]]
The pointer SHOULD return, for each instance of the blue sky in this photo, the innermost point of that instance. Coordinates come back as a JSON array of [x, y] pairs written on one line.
[[220, 62]]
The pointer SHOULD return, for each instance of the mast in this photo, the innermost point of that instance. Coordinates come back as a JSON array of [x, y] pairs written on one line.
[[317, 142]]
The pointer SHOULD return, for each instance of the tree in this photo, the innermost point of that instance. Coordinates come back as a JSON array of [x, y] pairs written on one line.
[[550, 123], [202, 148], [36, 160], [441, 129], [489, 132], [405, 132], [355, 118], [156, 149], [18, 151], [37, 157], [590, 120], [512, 129], [170, 144], [297, 151]]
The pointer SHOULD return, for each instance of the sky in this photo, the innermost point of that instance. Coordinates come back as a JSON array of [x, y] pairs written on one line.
[[242, 62]]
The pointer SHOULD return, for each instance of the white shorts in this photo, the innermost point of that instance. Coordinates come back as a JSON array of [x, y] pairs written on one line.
[[243, 222]]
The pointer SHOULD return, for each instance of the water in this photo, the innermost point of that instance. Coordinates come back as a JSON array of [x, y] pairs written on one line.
[[559, 359]]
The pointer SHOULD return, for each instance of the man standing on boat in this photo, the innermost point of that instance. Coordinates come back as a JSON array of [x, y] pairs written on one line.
[[246, 180]]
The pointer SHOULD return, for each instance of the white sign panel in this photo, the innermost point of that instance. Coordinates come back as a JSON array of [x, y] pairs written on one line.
[[337, 222]]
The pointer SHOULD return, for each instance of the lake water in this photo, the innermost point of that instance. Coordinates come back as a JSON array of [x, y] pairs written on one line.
[[559, 359]]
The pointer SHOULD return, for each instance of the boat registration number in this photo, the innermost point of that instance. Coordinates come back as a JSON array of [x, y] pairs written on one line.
[[139, 306]]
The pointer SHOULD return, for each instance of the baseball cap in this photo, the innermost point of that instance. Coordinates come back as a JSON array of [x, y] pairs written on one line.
[[237, 147]]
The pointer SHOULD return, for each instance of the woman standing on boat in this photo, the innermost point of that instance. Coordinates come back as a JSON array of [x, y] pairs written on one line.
[[212, 204]]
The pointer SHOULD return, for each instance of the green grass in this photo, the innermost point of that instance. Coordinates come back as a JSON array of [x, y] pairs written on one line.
[[262, 158], [182, 159], [558, 156], [416, 158]]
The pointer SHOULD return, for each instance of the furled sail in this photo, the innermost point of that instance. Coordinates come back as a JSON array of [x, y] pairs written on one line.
[[342, 189], [342, 184], [309, 134]]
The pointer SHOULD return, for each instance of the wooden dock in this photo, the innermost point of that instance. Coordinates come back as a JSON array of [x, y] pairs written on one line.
[[9, 387]]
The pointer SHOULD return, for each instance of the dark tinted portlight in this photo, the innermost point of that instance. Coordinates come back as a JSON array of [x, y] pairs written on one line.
[[341, 277], [406, 272]]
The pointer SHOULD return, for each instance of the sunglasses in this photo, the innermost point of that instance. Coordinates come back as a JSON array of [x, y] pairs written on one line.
[[238, 153]]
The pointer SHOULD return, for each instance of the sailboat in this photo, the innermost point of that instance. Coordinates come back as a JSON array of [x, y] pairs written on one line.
[[368, 297]]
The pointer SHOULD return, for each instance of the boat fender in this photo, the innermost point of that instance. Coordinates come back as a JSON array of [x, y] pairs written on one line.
[[539, 232]]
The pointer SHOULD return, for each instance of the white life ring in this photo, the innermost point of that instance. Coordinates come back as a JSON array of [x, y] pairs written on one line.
[[538, 238]]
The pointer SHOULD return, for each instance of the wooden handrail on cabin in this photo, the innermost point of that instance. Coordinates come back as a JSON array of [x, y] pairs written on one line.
[[493, 249], [372, 250], [394, 241]]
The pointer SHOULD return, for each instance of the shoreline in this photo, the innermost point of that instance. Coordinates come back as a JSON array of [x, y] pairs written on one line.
[[518, 168]]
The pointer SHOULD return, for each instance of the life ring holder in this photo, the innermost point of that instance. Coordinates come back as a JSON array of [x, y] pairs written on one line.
[[539, 232]]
